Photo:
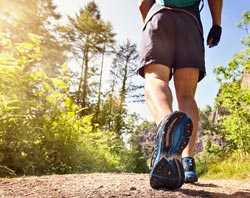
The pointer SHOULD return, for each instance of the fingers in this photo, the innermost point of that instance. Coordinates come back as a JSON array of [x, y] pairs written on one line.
[[209, 43]]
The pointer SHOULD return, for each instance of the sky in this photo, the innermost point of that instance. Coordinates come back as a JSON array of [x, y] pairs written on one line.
[[127, 23]]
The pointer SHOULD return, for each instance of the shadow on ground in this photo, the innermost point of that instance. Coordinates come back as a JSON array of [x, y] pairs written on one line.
[[245, 193], [206, 185], [203, 193]]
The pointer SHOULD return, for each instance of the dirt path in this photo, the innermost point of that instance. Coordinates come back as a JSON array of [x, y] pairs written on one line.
[[113, 186]]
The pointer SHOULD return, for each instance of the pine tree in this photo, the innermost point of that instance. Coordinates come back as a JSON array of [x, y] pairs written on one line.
[[123, 72], [87, 33]]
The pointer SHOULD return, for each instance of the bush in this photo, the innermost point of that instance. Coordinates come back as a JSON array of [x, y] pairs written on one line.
[[40, 130], [232, 166], [134, 161]]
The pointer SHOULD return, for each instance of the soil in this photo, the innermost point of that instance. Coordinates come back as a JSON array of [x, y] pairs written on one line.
[[115, 185]]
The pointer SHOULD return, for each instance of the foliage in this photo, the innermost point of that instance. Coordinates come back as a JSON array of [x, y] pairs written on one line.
[[43, 129], [40, 130], [134, 161], [88, 36], [229, 120], [241, 61], [123, 70], [207, 124], [236, 125], [233, 166], [18, 19], [235, 99]]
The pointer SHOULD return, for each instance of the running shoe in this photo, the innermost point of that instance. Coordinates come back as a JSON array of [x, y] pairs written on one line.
[[188, 164], [173, 134]]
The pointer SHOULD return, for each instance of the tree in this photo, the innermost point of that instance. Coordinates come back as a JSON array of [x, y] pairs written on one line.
[[40, 129], [20, 18], [235, 99], [87, 33], [123, 70]]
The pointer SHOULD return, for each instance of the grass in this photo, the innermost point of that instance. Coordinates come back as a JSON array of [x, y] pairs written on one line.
[[237, 166]]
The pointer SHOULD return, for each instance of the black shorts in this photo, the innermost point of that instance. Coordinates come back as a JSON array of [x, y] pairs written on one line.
[[175, 39]]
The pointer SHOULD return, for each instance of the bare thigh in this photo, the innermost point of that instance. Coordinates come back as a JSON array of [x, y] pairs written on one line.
[[157, 71], [185, 81]]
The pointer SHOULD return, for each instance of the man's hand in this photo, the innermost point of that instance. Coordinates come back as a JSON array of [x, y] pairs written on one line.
[[144, 6], [214, 36], [215, 32]]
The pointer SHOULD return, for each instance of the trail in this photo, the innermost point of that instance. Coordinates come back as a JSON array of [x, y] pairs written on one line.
[[114, 186]]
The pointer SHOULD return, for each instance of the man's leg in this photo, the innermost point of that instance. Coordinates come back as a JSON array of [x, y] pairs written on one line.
[[172, 134], [158, 95], [185, 81]]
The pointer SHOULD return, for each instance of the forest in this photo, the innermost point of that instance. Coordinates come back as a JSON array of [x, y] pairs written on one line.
[[59, 114]]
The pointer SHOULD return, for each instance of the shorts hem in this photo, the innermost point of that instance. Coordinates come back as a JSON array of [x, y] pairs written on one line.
[[202, 72], [140, 70]]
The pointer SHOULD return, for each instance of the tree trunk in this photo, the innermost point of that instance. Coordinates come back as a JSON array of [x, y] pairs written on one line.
[[79, 94], [85, 79], [119, 119], [124, 81], [111, 104], [100, 85]]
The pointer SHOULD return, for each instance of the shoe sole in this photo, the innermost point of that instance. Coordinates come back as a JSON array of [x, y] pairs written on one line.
[[190, 178], [177, 136], [176, 139], [162, 175]]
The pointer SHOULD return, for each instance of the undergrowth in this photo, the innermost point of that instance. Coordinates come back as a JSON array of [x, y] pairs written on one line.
[[235, 166]]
